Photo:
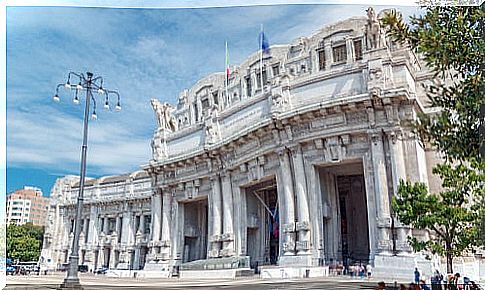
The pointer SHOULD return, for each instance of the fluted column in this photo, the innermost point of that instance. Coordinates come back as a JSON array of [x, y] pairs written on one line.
[[156, 219], [303, 224], [127, 229], [215, 205], [398, 165], [166, 219], [381, 192], [93, 226], [228, 214], [288, 216]]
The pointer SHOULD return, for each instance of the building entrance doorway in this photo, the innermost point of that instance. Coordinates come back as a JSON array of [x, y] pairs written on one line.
[[353, 218], [345, 227], [263, 224], [195, 230]]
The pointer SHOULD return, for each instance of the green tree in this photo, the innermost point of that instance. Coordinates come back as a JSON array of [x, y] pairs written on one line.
[[450, 41], [24, 242]]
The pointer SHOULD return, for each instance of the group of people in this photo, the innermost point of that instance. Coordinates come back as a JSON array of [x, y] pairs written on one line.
[[438, 282], [360, 271]]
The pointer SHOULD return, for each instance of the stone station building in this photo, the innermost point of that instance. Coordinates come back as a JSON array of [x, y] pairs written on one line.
[[290, 177]]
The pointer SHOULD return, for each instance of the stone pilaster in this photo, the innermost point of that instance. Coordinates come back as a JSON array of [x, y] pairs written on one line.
[[215, 205], [288, 217], [228, 214], [381, 193], [303, 245]]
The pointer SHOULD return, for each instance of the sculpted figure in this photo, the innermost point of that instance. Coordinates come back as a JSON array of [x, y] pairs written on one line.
[[372, 30], [163, 113]]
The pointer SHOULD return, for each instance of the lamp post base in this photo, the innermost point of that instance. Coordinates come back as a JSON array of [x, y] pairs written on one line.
[[71, 284]]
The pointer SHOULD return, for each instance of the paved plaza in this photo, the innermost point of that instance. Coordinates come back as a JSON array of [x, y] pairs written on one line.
[[103, 282]]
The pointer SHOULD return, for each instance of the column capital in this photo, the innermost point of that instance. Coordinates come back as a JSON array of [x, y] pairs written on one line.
[[295, 149], [281, 151]]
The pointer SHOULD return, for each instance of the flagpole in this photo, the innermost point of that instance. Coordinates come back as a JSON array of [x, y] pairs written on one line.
[[261, 59], [226, 80]]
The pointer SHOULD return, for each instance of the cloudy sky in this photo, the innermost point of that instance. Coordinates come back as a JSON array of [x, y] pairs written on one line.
[[142, 53]]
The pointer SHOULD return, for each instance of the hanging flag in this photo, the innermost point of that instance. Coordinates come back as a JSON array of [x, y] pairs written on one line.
[[228, 69], [264, 42]]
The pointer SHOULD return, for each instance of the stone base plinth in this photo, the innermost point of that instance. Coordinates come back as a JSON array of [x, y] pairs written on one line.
[[211, 274], [160, 266], [295, 261], [71, 285], [401, 268], [152, 274], [279, 272]]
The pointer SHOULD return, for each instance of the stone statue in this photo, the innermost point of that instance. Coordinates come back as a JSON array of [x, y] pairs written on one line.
[[163, 113], [373, 31], [214, 111]]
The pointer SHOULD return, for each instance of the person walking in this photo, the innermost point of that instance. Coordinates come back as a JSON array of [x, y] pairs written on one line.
[[369, 271], [417, 276]]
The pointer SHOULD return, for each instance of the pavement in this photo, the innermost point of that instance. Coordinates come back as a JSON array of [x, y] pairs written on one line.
[[89, 281]]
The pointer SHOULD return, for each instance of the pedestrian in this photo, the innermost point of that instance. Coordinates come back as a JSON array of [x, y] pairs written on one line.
[[403, 287], [417, 276], [423, 285], [361, 271], [369, 271], [381, 286]]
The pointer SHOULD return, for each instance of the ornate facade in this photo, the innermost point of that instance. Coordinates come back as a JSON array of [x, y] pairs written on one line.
[[293, 164]]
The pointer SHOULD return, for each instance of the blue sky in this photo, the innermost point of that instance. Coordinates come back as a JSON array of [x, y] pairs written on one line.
[[142, 53]]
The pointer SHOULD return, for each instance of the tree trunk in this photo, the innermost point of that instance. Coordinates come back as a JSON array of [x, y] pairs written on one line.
[[449, 263]]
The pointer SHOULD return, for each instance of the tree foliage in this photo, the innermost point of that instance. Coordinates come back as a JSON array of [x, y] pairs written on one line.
[[449, 40], [24, 242]]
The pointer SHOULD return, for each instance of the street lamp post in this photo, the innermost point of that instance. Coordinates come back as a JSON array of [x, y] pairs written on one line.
[[86, 83]]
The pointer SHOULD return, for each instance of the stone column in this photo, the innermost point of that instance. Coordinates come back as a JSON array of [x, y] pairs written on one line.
[[118, 228], [136, 263], [398, 166], [127, 230], [288, 216], [381, 193], [349, 44], [93, 226], [166, 218], [85, 229], [303, 224], [228, 214], [215, 204], [156, 219], [328, 55]]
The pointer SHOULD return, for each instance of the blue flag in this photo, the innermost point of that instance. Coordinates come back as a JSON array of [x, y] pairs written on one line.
[[264, 42]]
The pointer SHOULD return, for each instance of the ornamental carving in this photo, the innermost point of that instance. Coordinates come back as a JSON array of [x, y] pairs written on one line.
[[335, 148], [280, 96], [164, 116]]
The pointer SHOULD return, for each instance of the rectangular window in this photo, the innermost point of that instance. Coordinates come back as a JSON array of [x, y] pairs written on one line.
[[340, 53], [358, 49], [248, 86], [321, 59], [196, 112], [111, 225], [265, 78], [71, 230], [205, 104], [137, 223], [215, 97], [148, 224], [276, 70]]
